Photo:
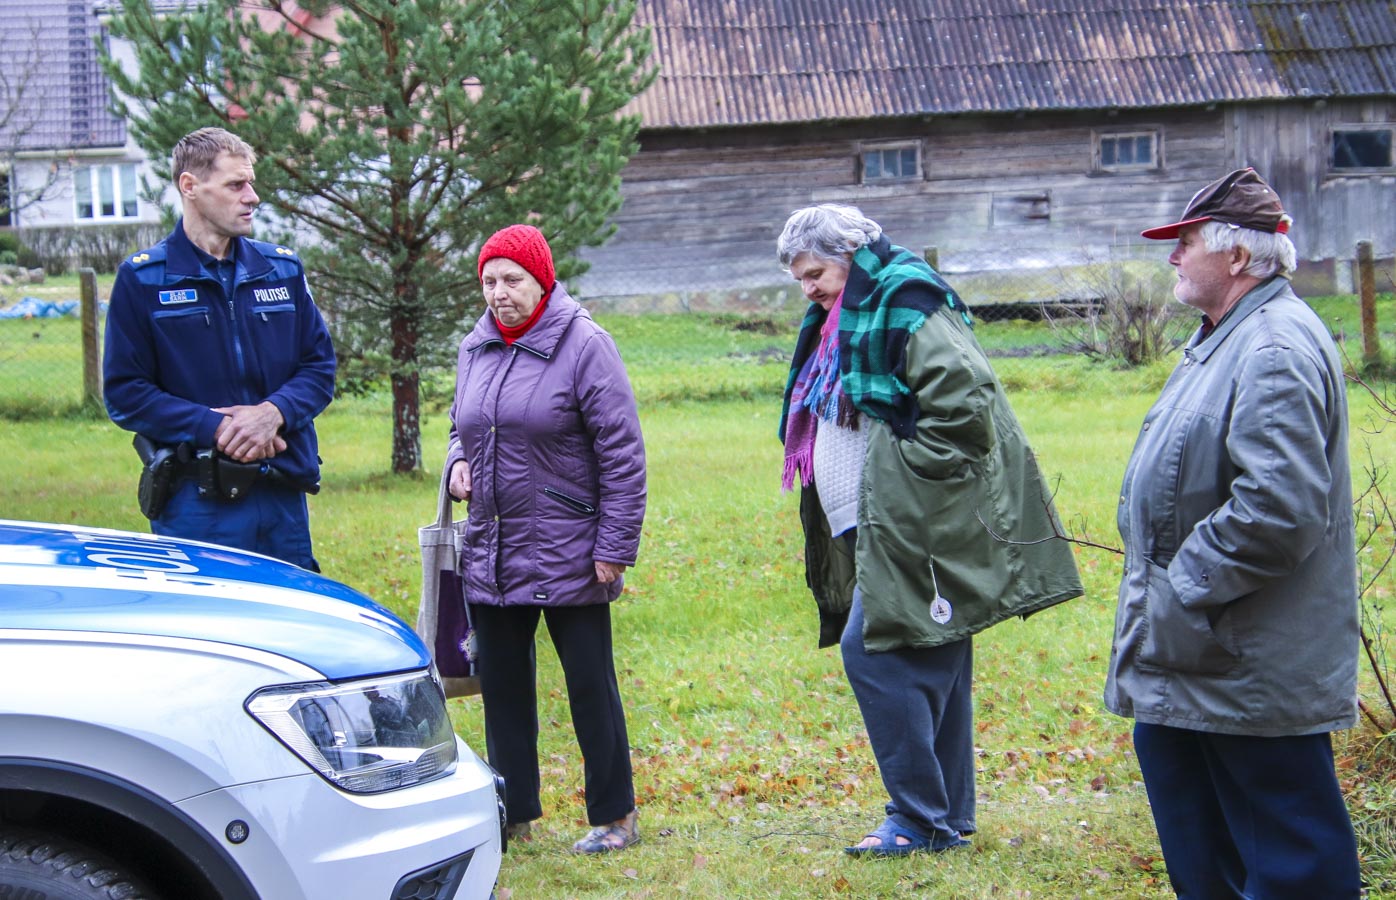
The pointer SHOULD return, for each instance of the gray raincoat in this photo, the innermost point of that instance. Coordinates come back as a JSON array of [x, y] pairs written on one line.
[[1238, 606]]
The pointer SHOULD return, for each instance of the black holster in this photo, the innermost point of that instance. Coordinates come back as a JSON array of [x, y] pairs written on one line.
[[158, 476]]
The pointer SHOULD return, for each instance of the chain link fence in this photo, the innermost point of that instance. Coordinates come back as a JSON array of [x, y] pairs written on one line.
[[1061, 322], [1052, 321], [50, 333]]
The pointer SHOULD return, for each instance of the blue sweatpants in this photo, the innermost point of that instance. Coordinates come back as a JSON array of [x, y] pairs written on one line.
[[918, 708], [273, 521], [1260, 818]]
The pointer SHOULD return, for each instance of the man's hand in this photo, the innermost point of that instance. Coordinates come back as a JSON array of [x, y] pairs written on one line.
[[250, 433], [607, 572], [459, 485]]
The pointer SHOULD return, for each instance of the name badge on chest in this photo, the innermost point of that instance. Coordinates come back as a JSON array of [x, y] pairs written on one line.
[[169, 298]]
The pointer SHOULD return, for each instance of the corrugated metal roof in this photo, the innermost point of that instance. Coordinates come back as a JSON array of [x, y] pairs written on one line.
[[53, 95], [741, 62]]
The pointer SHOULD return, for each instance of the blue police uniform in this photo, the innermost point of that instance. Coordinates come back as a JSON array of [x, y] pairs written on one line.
[[186, 333]]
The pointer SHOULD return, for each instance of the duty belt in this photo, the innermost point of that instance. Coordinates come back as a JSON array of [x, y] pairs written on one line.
[[215, 475]]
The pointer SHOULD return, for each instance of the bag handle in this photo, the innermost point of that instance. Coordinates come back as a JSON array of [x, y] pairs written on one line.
[[443, 500]]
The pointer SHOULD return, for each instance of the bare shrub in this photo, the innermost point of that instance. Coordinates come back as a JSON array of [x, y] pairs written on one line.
[[1369, 779], [52, 248], [102, 247], [1121, 311], [1376, 551]]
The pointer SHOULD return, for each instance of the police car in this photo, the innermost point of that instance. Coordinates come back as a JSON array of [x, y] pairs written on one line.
[[187, 722]]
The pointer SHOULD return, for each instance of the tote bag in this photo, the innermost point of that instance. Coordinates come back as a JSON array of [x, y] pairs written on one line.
[[443, 621]]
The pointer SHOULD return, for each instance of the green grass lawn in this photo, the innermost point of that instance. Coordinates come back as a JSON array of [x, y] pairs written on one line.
[[751, 764]]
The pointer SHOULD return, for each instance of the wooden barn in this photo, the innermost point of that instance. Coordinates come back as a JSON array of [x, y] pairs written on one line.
[[1007, 134]]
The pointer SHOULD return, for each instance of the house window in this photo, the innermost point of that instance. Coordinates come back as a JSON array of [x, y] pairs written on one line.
[[105, 192], [891, 162], [1362, 149], [1125, 152]]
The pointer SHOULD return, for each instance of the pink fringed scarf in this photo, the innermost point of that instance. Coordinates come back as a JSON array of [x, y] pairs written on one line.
[[816, 395]]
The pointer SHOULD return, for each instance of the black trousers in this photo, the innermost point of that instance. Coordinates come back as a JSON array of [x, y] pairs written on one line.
[[1260, 818], [508, 685]]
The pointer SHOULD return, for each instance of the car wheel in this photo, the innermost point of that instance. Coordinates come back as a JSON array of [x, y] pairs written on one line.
[[57, 868]]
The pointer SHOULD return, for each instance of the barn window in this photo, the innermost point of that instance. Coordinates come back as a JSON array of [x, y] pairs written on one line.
[[891, 162], [1126, 151], [1362, 149]]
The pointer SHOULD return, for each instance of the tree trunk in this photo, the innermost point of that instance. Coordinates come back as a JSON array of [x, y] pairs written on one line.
[[407, 430]]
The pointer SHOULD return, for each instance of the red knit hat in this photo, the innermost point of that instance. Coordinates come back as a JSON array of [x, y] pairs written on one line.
[[526, 246]]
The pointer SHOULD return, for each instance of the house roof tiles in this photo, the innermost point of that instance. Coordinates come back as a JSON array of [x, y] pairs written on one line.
[[53, 94]]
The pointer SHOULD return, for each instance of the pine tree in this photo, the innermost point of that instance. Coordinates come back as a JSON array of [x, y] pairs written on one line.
[[393, 136]]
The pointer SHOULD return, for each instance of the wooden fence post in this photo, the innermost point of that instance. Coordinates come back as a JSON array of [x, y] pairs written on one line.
[[1367, 291], [932, 256], [91, 357]]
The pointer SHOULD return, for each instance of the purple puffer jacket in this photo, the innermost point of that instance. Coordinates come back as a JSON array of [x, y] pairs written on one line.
[[557, 461]]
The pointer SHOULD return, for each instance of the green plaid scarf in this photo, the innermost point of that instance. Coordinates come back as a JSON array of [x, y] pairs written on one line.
[[889, 293]]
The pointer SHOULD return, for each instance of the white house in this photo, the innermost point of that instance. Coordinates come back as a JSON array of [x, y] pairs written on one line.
[[66, 159]]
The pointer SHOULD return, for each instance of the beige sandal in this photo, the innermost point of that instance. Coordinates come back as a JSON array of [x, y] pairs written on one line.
[[606, 838]]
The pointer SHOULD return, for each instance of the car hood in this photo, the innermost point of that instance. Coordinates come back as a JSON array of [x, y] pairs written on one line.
[[67, 578]]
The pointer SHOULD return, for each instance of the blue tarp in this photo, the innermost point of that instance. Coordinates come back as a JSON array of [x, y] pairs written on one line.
[[34, 308]]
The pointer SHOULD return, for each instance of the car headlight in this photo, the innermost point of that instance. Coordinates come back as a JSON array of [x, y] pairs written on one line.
[[363, 736]]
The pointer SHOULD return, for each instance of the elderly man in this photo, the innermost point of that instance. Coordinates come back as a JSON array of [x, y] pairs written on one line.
[[1236, 636], [214, 346]]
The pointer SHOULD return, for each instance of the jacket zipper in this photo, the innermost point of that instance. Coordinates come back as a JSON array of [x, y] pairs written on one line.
[[237, 338]]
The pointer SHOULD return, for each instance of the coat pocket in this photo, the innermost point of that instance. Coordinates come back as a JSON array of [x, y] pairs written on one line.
[[275, 339], [574, 503], [171, 321], [1181, 639]]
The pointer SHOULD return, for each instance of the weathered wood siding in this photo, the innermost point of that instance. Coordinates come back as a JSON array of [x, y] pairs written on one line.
[[702, 210], [1292, 145]]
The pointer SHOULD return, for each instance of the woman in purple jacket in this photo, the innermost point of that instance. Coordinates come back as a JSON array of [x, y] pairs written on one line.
[[546, 446]]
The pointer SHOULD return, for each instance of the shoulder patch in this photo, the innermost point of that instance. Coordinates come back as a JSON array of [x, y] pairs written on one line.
[[274, 251], [146, 257]]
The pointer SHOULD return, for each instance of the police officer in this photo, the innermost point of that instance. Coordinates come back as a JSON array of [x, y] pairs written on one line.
[[214, 344]]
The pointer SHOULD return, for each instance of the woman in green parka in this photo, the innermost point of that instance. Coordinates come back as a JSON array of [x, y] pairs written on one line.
[[926, 519]]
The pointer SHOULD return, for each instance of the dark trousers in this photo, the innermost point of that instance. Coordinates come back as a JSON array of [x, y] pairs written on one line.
[[272, 521], [917, 705], [1260, 818], [508, 685]]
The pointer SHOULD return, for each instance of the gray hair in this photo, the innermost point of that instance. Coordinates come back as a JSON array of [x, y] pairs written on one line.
[[1270, 253], [198, 151], [829, 231]]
